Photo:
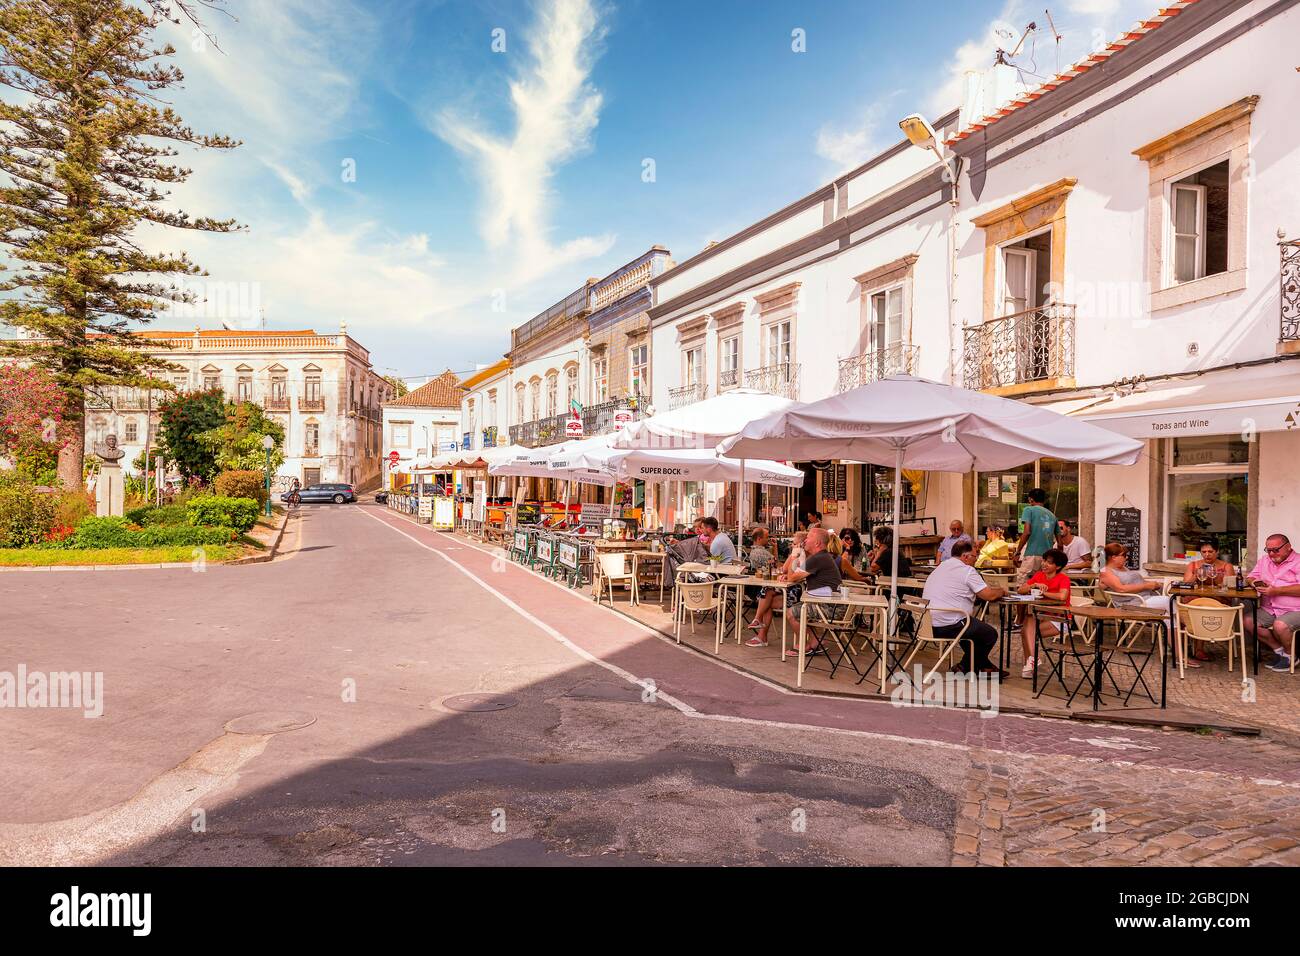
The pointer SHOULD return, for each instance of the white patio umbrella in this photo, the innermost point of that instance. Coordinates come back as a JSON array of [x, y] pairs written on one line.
[[704, 424], [912, 422]]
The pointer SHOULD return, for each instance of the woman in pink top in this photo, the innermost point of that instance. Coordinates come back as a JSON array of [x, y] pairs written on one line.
[[1277, 579]]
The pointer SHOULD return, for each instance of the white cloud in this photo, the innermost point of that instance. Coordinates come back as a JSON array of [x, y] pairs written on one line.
[[1102, 8], [555, 111], [851, 146]]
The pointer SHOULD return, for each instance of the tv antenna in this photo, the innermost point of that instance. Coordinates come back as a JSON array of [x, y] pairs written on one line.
[[1001, 55], [1057, 34]]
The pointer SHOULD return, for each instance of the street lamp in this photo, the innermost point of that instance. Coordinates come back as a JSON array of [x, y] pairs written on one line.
[[268, 443]]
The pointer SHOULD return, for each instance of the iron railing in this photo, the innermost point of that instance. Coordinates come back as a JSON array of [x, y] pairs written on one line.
[[280, 404], [596, 420], [728, 378], [781, 379], [686, 394], [1290, 331], [873, 366], [1031, 346], [306, 404]]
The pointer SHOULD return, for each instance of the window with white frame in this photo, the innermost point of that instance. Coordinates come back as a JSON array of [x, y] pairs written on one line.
[[570, 386], [693, 366], [519, 404], [311, 438], [886, 328], [599, 379], [469, 413], [491, 420], [779, 345], [552, 394], [1198, 224], [535, 396], [401, 435], [729, 362], [638, 361], [132, 432]]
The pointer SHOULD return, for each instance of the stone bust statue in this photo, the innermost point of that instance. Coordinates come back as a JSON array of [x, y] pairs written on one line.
[[108, 450]]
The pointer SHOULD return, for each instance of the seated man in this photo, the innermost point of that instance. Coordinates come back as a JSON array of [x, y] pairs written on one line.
[[1277, 579], [820, 577], [956, 532], [1078, 553], [951, 590], [719, 544]]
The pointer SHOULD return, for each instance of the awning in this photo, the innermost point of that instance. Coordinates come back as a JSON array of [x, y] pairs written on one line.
[[1218, 403]]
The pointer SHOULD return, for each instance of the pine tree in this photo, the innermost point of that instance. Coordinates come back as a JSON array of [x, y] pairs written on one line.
[[85, 150]]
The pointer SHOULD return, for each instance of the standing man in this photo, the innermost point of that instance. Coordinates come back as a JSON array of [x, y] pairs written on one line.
[[1038, 533], [1078, 553], [956, 532], [951, 590], [1277, 579]]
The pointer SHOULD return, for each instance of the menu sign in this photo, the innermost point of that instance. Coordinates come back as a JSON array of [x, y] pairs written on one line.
[[543, 549], [1125, 526], [521, 541]]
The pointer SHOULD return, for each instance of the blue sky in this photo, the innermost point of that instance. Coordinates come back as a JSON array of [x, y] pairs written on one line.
[[487, 178]]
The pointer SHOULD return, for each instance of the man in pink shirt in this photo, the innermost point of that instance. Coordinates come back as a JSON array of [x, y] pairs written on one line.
[[1277, 579]]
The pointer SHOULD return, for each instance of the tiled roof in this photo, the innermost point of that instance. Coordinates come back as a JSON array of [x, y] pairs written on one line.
[[441, 392], [1138, 30]]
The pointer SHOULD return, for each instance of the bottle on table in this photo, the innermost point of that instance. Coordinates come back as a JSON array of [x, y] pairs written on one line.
[[1241, 580]]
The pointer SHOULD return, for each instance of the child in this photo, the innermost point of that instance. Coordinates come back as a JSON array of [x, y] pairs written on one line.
[[1054, 584]]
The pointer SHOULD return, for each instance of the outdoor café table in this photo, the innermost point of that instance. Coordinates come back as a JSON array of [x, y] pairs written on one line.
[[644, 555], [876, 603], [1225, 593], [1004, 606], [1098, 618], [738, 581]]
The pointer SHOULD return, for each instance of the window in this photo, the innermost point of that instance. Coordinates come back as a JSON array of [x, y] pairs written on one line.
[[211, 382], [1002, 495], [1025, 267], [599, 380], [401, 435], [693, 366], [886, 329], [729, 362], [519, 403], [535, 387], [552, 394], [311, 388], [778, 343], [638, 360], [132, 432], [571, 387], [491, 420], [311, 439], [279, 388], [1198, 224], [1207, 496], [469, 416], [180, 381]]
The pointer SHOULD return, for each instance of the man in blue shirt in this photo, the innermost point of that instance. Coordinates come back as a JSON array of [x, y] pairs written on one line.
[[1038, 533]]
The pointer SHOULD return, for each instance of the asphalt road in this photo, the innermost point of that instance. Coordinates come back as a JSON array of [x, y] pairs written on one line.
[[305, 711]]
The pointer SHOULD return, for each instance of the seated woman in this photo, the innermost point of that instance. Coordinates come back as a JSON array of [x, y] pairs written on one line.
[[772, 599], [1128, 585], [1055, 586], [853, 551], [996, 550], [881, 559], [1210, 569]]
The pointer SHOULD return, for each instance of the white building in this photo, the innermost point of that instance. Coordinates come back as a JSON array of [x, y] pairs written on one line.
[[422, 423], [1120, 260], [321, 388], [485, 406]]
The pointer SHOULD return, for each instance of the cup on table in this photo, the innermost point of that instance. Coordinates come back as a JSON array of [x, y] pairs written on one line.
[[1036, 593]]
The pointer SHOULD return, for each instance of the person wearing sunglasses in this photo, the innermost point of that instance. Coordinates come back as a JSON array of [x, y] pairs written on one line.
[[1277, 579]]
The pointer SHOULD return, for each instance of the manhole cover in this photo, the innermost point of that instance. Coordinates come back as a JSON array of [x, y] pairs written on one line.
[[270, 722], [479, 703]]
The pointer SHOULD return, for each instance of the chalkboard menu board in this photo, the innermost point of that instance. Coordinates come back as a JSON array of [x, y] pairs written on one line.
[[1125, 526], [835, 483]]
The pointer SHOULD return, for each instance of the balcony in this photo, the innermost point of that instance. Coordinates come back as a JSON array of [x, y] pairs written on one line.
[[687, 394], [311, 451], [1289, 335], [316, 404], [868, 367], [596, 420], [1035, 346], [280, 404], [728, 378], [781, 379]]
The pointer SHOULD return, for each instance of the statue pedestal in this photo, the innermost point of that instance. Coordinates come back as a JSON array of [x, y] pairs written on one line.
[[110, 490]]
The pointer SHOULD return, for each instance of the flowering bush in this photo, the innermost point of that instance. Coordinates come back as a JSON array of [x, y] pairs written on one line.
[[242, 483], [60, 533], [31, 420], [26, 515]]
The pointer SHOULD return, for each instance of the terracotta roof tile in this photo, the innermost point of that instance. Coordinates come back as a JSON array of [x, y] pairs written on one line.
[[1139, 29], [441, 392]]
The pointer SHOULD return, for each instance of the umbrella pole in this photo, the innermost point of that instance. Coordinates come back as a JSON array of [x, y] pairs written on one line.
[[893, 585], [740, 509]]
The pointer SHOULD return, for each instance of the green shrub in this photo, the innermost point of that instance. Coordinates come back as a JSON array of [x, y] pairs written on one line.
[[166, 515], [105, 532], [242, 484], [26, 515], [157, 535], [218, 512]]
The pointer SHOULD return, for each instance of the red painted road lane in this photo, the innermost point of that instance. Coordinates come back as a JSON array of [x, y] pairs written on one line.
[[715, 690]]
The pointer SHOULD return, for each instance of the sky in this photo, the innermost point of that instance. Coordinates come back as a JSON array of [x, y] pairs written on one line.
[[435, 172]]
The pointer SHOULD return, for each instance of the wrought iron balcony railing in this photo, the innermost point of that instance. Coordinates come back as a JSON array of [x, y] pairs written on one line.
[[781, 379], [872, 366], [1036, 345], [306, 404], [687, 394], [596, 420], [280, 404], [311, 451], [728, 378], [1290, 331]]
